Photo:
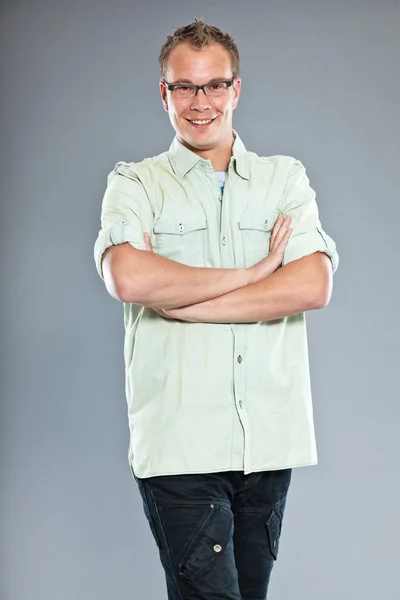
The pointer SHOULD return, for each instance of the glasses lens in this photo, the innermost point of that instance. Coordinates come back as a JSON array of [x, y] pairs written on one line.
[[216, 89], [184, 91]]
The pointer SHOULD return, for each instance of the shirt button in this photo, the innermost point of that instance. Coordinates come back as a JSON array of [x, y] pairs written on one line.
[[223, 241], [181, 227], [240, 404], [239, 359], [265, 224], [217, 548]]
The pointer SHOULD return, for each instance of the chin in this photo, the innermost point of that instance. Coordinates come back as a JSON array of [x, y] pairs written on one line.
[[203, 138], [203, 144]]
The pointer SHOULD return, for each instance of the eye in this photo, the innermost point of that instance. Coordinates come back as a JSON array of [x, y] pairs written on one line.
[[183, 88], [218, 85]]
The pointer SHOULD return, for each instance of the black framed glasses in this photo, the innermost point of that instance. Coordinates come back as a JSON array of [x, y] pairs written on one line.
[[187, 90]]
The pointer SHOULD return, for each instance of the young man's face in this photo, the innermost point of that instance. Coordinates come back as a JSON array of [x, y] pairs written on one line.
[[188, 65]]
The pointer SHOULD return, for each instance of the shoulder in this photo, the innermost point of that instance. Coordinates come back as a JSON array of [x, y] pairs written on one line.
[[276, 161], [280, 168], [142, 171]]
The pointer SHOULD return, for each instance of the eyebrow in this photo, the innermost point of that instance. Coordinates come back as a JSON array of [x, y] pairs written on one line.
[[188, 81]]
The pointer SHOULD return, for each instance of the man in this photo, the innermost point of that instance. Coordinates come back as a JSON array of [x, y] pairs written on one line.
[[216, 254]]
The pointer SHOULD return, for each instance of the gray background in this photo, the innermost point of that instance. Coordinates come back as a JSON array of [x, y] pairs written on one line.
[[80, 92]]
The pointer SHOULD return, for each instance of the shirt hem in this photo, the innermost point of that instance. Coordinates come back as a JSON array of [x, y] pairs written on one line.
[[225, 470]]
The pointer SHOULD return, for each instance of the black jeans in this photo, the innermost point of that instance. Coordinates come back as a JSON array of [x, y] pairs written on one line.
[[217, 533]]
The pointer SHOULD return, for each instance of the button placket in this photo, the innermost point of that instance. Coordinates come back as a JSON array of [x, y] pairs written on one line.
[[239, 359], [239, 371]]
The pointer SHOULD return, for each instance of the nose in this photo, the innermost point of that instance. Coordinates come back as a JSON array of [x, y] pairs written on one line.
[[200, 101]]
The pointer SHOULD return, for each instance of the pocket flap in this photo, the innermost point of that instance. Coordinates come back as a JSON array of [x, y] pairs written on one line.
[[274, 531], [180, 226], [257, 221]]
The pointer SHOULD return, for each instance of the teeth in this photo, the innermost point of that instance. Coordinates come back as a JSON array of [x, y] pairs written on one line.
[[202, 122]]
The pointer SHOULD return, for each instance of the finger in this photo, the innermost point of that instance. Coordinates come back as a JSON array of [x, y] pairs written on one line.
[[283, 243], [280, 223], [280, 249], [162, 313], [276, 228], [147, 242], [280, 234]]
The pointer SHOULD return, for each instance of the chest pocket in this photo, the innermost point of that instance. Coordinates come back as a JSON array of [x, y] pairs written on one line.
[[255, 230], [182, 239]]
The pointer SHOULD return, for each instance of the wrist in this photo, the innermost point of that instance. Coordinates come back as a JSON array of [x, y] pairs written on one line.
[[251, 275]]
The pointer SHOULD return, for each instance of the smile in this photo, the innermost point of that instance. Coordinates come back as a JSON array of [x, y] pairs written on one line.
[[201, 122]]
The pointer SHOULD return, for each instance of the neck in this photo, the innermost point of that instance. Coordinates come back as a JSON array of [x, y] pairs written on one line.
[[220, 157]]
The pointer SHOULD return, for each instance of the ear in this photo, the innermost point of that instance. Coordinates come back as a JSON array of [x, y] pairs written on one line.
[[237, 85], [164, 97]]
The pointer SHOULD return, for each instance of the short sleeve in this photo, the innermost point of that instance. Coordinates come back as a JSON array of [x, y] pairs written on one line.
[[307, 236], [126, 212]]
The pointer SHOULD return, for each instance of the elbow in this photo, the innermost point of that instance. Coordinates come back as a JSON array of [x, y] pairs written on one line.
[[322, 296], [119, 287], [117, 274], [323, 284], [115, 289], [135, 292], [127, 293], [123, 293]]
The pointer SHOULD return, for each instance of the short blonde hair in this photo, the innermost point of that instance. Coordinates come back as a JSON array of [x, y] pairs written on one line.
[[198, 35]]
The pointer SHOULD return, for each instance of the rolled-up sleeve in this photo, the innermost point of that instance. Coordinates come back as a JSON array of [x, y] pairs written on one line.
[[299, 203], [126, 212]]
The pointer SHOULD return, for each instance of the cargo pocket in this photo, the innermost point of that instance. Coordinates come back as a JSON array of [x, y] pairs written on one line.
[[274, 526], [196, 534], [182, 239], [256, 229]]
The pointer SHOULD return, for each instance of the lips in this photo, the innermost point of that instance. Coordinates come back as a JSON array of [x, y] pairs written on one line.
[[201, 122]]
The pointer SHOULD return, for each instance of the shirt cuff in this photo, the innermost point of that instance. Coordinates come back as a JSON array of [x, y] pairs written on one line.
[[310, 242], [112, 236]]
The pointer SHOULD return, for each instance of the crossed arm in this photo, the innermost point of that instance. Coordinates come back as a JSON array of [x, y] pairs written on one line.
[[301, 285]]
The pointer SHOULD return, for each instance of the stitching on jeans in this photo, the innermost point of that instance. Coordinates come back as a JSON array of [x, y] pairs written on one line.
[[206, 521], [221, 503], [167, 548], [247, 486], [257, 510], [208, 566], [146, 500]]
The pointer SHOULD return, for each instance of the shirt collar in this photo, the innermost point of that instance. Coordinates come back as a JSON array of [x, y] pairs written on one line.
[[183, 160]]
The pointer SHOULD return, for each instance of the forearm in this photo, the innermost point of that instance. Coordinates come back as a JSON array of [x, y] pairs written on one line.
[[149, 279], [299, 286]]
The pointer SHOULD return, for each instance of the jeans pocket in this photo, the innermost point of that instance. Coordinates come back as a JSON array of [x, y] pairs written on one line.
[[274, 525], [196, 534]]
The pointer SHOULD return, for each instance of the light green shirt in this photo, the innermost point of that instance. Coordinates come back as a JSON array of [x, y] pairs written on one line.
[[209, 397]]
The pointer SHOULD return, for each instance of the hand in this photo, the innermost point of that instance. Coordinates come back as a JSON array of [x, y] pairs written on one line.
[[279, 238], [160, 311]]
